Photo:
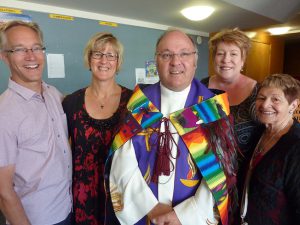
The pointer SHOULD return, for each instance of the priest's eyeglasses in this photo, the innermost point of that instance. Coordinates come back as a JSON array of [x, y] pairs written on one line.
[[167, 56]]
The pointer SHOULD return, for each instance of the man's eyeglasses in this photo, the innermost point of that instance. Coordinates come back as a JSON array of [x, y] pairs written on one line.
[[167, 56], [23, 51], [108, 56]]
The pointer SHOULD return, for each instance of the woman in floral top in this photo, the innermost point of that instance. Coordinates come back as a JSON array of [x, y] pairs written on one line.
[[94, 116]]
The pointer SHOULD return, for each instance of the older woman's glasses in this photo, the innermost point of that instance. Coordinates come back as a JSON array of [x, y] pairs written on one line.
[[23, 51], [167, 56], [108, 56]]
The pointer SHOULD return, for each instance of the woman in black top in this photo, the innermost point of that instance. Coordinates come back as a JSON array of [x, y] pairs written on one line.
[[271, 190], [94, 115]]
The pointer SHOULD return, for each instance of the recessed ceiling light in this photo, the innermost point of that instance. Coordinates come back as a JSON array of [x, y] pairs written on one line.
[[279, 30], [197, 13]]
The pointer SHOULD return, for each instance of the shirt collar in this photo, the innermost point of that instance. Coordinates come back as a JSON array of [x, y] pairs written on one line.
[[26, 93]]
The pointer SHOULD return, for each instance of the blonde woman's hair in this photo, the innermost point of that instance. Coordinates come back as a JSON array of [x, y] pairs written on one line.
[[98, 41], [231, 36]]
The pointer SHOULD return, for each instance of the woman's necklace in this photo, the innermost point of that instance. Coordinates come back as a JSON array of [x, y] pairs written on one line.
[[109, 98], [101, 103], [260, 148]]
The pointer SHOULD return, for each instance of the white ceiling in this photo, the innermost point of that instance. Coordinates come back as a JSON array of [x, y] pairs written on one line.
[[245, 14]]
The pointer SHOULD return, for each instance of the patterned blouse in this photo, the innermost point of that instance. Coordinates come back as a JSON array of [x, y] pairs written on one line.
[[244, 119], [90, 140]]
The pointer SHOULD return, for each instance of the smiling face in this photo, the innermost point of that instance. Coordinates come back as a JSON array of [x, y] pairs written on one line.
[[27, 68], [103, 69], [272, 107], [228, 61], [178, 72]]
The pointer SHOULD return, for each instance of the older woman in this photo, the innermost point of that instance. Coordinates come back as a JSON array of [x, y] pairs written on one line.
[[273, 178], [94, 114], [229, 49]]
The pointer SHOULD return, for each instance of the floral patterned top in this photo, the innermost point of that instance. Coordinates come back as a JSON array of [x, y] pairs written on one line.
[[90, 141]]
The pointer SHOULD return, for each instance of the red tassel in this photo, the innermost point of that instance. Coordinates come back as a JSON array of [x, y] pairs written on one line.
[[163, 160]]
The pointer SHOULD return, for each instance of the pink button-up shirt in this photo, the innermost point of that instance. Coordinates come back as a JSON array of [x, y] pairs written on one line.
[[33, 137]]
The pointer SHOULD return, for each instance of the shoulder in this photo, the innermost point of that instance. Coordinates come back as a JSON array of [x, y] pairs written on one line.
[[290, 142], [74, 99], [75, 96], [125, 96], [294, 132], [253, 86], [291, 145], [255, 89], [248, 82], [126, 90], [5, 99], [205, 81], [10, 103], [53, 93], [11, 110], [253, 93], [51, 89]]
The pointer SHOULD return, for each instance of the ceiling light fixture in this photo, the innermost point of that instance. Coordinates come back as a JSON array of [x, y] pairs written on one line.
[[250, 34], [279, 30], [197, 13]]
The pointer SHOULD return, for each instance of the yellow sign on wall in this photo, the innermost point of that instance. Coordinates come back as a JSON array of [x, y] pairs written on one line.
[[61, 17], [10, 10], [105, 23]]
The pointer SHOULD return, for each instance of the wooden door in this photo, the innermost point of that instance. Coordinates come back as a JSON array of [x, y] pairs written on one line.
[[258, 61]]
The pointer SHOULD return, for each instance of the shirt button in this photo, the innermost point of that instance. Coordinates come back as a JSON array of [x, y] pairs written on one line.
[[58, 135], [52, 119], [65, 151]]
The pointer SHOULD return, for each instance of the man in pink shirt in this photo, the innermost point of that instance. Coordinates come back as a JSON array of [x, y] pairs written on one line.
[[35, 157]]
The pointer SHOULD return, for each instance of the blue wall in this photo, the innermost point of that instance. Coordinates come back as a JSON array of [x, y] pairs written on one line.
[[69, 38]]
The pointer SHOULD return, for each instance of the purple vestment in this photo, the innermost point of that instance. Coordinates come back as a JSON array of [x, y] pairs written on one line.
[[185, 183]]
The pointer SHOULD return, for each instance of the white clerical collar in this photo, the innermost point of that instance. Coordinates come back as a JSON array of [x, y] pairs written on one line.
[[169, 93], [172, 101]]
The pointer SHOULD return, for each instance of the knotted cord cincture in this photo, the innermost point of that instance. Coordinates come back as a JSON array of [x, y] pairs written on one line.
[[163, 162]]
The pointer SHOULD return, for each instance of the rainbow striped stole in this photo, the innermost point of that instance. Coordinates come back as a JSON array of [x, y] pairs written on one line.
[[143, 114], [187, 123]]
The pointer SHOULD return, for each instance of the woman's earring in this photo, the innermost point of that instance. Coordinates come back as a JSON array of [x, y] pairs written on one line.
[[242, 69]]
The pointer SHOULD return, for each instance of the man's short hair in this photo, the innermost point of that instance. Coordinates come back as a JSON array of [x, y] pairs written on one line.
[[14, 23]]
